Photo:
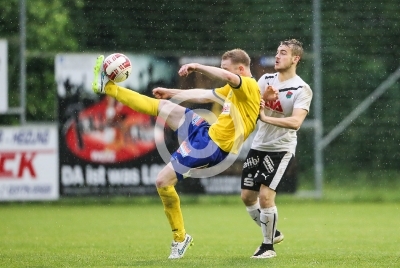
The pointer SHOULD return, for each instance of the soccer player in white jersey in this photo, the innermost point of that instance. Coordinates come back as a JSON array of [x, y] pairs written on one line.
[[275, 142]]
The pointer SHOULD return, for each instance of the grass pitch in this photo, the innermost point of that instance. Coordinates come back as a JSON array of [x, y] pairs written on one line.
[[135, 233]]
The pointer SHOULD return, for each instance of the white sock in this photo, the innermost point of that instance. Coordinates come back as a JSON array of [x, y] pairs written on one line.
[[269, 220], [254, 212]]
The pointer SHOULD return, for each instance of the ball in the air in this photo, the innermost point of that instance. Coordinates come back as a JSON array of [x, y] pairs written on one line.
[[118, 67]]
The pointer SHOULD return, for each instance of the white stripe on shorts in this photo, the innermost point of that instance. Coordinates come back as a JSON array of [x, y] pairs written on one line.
[[281, 170]]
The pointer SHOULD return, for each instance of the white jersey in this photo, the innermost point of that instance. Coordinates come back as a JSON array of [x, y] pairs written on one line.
[[293, 93]]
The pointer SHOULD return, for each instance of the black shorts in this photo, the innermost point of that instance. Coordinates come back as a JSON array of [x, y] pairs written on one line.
[[267, 168]]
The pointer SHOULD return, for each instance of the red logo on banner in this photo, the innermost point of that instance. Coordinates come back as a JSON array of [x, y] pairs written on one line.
[[22, 163], [110, 132]]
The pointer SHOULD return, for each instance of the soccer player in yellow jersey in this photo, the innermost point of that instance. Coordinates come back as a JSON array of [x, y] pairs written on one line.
[[201, 144]]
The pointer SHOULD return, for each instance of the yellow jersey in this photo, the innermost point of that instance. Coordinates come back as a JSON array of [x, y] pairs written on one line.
[[239, 114]]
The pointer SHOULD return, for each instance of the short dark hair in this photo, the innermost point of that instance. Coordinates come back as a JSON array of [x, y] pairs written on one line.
[[237, 56], [295, 45]]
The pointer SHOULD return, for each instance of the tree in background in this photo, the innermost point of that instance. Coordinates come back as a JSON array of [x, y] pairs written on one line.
[[49, 30]]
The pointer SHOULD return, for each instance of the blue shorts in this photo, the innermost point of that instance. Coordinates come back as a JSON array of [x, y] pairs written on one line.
[[196, 148]]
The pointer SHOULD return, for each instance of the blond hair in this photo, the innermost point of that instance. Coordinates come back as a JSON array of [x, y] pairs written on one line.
[[237, 56]]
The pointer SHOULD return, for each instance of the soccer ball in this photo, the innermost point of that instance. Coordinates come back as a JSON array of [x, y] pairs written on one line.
[[118, 67]]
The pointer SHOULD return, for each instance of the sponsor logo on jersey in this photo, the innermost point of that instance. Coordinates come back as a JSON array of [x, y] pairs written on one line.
[[226, 109], [197, 120], [269, 77], [248, 181], [274, 105], [184, 149], [258, 174], [250, 162], [268, 164]]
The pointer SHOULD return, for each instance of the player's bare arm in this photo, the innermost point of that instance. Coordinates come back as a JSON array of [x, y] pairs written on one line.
[[212, 72], [291, 122], [196, 95], [164, 93]]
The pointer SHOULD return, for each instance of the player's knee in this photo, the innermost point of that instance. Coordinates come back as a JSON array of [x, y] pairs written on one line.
[[249, 198], [160, 182], [267, 199], [166, 177]]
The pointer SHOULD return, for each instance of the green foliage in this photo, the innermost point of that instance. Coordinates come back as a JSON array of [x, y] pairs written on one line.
[[49, 30], [9, 18], [41, 109], [49, 26]]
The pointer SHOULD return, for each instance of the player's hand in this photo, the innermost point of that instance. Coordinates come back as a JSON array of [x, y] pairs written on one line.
[[270, 94], [187, 69], [262, 114], [262, 104], [161, 93]]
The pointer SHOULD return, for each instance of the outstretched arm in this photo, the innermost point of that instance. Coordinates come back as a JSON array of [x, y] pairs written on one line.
[[190, 95], [212, 72]]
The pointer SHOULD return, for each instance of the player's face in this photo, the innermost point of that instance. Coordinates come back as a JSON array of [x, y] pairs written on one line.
[[284, 59], [229, 66]]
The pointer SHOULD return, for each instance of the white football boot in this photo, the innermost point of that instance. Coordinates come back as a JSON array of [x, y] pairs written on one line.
[[264, 254], [178, 249], [278, 238]]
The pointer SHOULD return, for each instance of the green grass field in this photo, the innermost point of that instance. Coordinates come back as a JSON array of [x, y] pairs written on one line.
[[124, 232]]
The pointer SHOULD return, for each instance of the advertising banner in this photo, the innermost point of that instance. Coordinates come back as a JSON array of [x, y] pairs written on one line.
[[106, 147], [29, 163]]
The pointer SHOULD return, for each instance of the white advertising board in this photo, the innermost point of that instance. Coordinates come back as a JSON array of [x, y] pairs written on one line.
[[29, 163]]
